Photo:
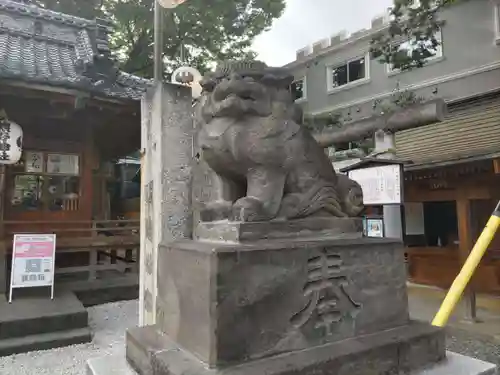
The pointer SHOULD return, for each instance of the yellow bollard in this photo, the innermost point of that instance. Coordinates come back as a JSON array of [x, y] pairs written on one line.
[[468, 269]]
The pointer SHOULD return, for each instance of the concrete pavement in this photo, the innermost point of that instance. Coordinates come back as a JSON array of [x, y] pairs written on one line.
[[425, 302]]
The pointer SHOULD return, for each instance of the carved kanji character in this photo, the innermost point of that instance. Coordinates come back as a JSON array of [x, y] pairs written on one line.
[[326, 290]]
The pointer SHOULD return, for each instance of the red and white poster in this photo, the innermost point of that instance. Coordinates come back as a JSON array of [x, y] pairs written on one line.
[[33, 260]]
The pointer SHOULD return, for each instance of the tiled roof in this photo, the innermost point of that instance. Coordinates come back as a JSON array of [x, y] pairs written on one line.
[[42, 46]]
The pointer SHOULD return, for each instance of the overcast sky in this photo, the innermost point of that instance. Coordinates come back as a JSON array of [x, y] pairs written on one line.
[[307, 21]]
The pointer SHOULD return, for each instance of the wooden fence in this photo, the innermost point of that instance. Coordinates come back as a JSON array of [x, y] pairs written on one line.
[[97, 248]]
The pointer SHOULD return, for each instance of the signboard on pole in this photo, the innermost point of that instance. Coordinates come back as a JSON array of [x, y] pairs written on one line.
[[381, 185], [33, 262]]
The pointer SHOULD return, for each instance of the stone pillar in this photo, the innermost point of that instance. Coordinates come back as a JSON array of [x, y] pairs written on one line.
[[201, 179], [3, 270], [3, 260], [167, 147], [385, 144]]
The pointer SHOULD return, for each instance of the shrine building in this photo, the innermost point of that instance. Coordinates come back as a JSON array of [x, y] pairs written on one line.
[[79, 114]]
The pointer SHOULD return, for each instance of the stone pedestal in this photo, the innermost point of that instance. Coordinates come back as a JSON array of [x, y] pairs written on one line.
[[283, 306], [323, 227]]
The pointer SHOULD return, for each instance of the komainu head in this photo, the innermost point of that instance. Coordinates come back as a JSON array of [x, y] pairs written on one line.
[[245, 88]]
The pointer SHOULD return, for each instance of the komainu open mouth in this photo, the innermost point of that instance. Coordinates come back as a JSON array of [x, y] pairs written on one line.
[[246, 94]]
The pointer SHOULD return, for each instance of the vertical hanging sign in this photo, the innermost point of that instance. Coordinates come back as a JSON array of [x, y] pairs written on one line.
[[5, 136], [11, 140], [33, 262]]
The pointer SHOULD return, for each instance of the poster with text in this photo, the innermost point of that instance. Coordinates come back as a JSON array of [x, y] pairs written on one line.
[[381, 185], [33, 260], [63, 164], [34, 162]]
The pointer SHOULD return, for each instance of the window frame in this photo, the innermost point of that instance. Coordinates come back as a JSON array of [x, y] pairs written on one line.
[[329, 74], [304, 89], [439, 56], [14, 172], [496, 21]]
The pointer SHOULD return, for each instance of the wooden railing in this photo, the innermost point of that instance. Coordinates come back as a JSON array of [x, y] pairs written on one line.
[[98, 248]]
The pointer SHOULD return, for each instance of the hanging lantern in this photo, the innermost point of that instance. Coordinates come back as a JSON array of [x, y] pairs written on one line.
[[11, 141], [188, 76]]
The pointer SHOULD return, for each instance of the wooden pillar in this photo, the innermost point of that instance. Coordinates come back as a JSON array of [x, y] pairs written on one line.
[[496, 166], [465, 246], [3, 265], [87, 172]]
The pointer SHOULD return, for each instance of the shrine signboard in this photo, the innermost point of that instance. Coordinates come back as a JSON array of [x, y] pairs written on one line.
[[381, 185], [33, 261]]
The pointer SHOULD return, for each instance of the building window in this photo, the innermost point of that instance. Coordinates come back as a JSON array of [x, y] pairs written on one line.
[[46, 182], [496, 14], [298, 89], [349, 73], [409, 46]]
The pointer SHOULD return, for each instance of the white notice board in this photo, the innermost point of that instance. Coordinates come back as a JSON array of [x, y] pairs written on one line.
[[33, 261], [380, 185]]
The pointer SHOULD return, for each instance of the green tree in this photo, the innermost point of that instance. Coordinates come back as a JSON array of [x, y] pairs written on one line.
[[197, 33], [415, 23], [86, 9]]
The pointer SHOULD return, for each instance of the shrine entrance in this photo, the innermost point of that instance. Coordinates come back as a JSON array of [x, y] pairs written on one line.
[[446, 210], [62, 184]]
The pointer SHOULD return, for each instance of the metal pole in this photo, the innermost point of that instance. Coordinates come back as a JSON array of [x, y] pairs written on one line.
[[470, 306], [468, 269], [158, 43]]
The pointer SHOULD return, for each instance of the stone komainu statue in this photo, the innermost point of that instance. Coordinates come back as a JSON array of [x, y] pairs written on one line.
[[265, 164]]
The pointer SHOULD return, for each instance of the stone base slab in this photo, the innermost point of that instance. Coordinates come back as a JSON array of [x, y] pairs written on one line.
[[231, 303], [316, 227], [396, 351], [454, 364]]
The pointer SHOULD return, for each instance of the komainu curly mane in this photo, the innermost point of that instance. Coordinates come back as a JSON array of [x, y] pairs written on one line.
[[265, 164]]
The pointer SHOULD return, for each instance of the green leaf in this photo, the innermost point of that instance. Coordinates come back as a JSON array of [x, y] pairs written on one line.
[[417, 24]]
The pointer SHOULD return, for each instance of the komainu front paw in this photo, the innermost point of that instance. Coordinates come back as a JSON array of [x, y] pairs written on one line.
[[249, 209], [218, 210], [353, 197]]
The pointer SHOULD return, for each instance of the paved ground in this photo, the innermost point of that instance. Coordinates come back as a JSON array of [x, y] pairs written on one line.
[[110, 321], [479, 340], [480, 347], [425, 302]]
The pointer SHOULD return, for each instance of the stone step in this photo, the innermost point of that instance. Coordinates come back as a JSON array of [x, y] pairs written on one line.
[[43, 324], [44, 341], [395, 351], [103, 291], [39, 315], [455, 364], [109, 365]]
